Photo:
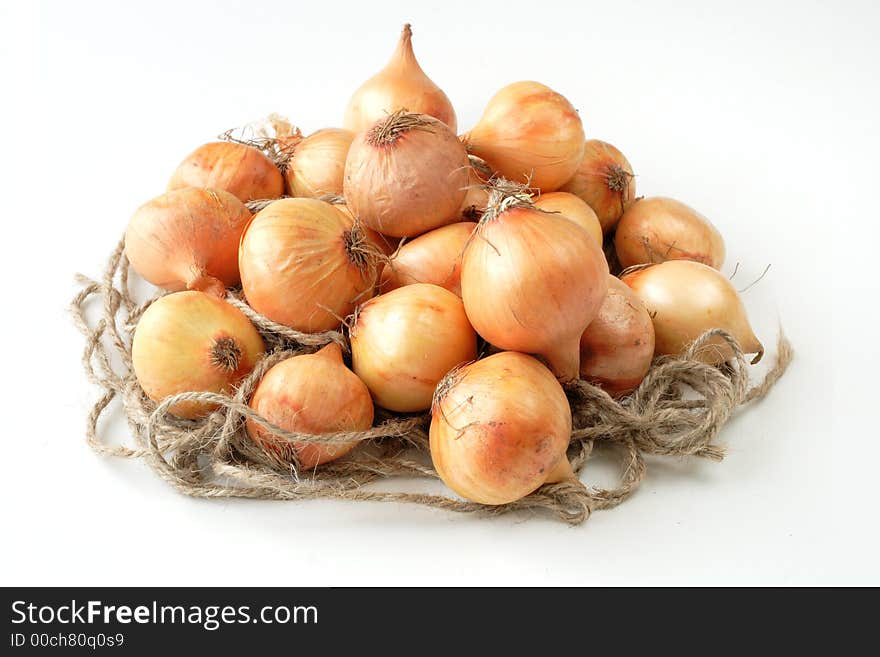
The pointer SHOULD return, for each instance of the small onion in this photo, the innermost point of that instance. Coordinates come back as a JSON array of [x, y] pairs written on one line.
[[305, 264], [404, 342], [193, 342], [500, 428], [618, 345], [659, 229], [239, 169], [685, 299], [317, 164], [573, 208], [312, 393]]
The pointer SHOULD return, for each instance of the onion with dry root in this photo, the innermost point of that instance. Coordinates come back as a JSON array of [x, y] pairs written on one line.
[[401, 85], [188, 239], [658, 229], [239, 169], [532, 281], [528, 132], [404, 342], [618, 345], [573, 208], [500, 428], [434, 257], [604, 180], [685, 299], [193, 342], [315, 394], [317, 163], [306, 264]]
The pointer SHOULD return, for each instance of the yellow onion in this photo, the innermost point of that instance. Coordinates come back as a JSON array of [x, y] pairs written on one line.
[[434, 257], [476, 197], [500, 428], [188, 239], [528, 132], [317, 163], [573, 208], [193, 342], [402, 84], [685, 299], [406, 175], [239, 169], [618, 345], [305, 264], [604, 180], [532, 281], [312, 393], [404, 342], [659, 229]]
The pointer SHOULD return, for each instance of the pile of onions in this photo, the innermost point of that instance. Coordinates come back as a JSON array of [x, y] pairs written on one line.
[[406, 175], [312, 393], [500, 428], [317, 164], [188, 239], [528, 132], [306, 264], [402, 84], [618, 345], [434, 257], [573, 208], [239, 169], [404, 342], [685, 299], [604, 180], [193, 342], [659, 229], [532, 281]]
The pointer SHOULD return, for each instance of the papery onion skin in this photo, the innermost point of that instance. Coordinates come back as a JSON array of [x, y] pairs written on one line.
[[604, 180], [685, 299], [573, 208], [529, 133], [406, 175], [298, 266], [657, 229], [500, 428], [188, 238], [239, 169], [402, 84], [618, 345], [434, 257], [315, 394], [405, 341], [317, 165], [193, 342]]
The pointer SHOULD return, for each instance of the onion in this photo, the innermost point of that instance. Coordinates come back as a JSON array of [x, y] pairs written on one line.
[[404, 342], [239, 169], [317, 164], [573, 208], [188, 238], [434, 257], [532, 281], [406, 175], [685, 299], [312, 393], [305, 264], [402, 84], [529, 132], [500, 428], [618, 345], [604, 180], [193, 342], [658, 229]]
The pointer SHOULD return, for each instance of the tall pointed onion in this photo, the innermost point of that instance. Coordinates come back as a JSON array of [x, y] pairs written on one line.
[[685, 299], [532, 281], [528, 132], [573, 208], [239, 169], [402, 84], [317, 164]]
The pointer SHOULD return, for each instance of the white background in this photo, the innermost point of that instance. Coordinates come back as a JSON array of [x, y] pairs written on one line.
[[762, 115]]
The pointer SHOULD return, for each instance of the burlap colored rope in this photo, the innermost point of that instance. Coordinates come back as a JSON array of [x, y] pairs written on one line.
[[213, 456]]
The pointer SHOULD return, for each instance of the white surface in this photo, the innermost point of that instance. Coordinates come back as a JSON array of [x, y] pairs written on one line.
[[761, 115]]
